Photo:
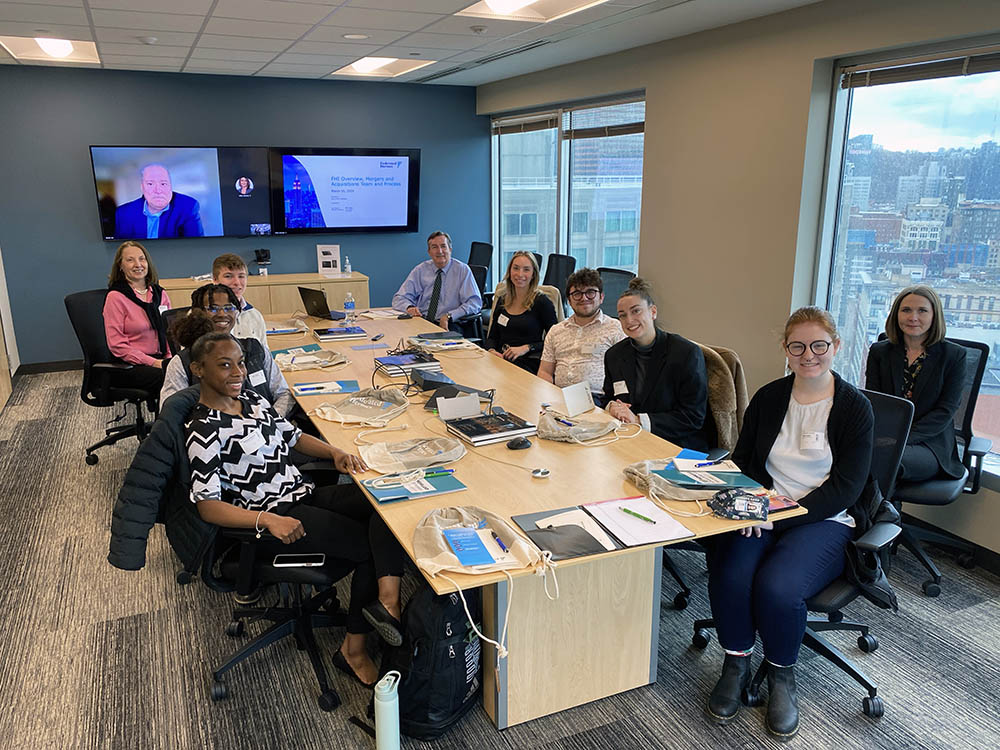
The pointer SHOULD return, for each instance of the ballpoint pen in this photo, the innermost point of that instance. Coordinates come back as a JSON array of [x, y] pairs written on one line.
[[564, 421], [709, 463], [438, 473], [636, 515], [500, 543]]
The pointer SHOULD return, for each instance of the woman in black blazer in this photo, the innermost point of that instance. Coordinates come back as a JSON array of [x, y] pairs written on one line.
[[916, 363], [657, 379]]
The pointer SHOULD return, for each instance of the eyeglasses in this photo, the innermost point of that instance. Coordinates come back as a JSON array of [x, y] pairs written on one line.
[[213, 309], [797, 348], [578, 294]]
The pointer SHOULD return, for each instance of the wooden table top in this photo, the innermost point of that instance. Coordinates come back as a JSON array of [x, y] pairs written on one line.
[[578, 474]]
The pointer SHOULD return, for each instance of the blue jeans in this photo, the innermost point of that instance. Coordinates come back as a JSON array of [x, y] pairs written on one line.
[[760, 585]]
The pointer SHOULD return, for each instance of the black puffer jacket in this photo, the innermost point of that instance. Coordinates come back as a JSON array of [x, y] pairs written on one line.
[[156, 490]]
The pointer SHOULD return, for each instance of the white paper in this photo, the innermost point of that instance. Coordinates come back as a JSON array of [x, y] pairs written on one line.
[[620, 387], [418, 485], [381, 313], [494, 549], [252, 442], [256, 378], [578, 517], [502, 319], [691, 464], [632, 531], [460, 407], [313, 389], [577, 398], [701, 477]]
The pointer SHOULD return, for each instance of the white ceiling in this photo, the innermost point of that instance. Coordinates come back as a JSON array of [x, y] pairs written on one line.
[[304, 38]]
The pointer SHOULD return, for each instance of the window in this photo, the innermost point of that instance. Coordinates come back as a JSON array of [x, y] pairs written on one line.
[[619, 256], [553, 171], [919, 202]]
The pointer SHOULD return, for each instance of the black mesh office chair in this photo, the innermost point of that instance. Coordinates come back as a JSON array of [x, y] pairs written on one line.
[[944, 491], [481, 254], [557, 271], [892, 425], [85, 310], [169, 316], [615, 282], [472, 325]]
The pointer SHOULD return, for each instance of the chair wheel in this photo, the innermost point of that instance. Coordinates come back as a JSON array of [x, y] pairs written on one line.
[[873, 707], [220, 692], [867, 643], [91, 459], [183, 578], [835, 617], [681, 600], [931, 588], [967, 560], [329, 700], [235, 629], [701, 638], [751, 699]]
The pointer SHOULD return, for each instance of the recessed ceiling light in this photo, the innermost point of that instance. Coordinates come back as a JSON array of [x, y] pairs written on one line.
[[505, 7], [355, 36], [55, 47], [415, 54], [368, 64], [148, 39]]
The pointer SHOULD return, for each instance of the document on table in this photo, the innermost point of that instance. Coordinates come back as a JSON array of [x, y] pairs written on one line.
[[624, 519], [578, 517]]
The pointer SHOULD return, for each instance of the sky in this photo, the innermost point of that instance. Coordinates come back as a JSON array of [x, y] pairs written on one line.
[[960, 112]]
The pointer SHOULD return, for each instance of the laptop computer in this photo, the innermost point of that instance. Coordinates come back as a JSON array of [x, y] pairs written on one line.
[[316, 305]]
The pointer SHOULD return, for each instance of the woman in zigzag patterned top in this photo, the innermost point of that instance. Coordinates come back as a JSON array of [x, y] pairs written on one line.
[[240, 477]]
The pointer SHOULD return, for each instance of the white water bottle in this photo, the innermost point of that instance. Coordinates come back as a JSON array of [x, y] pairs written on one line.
[[387, 712], [349, 307], [347, 264]]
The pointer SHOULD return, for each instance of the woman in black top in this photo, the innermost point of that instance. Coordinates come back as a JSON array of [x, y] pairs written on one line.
[[522, 315], [657, 379], [916, 363]]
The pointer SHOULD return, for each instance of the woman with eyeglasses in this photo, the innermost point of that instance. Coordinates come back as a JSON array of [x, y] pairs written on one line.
[[133, 323], [657, 379], [807, 436], [219, 306], [521, 316], [915, 362]]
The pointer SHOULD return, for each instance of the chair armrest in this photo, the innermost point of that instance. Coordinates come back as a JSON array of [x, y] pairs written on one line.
[[242, 535], [979, 446], [717, 454], [111, 366], [878, 536]]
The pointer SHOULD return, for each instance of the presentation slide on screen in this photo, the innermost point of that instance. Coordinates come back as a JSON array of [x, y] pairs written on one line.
[[345, 191]]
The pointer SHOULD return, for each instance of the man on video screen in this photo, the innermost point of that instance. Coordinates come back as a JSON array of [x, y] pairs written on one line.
[[160, 212]]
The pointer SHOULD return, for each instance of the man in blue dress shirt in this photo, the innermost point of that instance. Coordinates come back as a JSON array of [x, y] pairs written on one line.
[[441, 289], [160, 212]]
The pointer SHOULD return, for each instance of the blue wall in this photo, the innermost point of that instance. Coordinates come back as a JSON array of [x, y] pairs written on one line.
[[49, 230]]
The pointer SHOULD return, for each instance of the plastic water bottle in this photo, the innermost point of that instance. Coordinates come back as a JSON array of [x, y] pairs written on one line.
[[349, 307], [347, 264], [387, 712]]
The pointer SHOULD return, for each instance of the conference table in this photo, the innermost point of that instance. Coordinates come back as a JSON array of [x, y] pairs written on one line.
[[600, 636]]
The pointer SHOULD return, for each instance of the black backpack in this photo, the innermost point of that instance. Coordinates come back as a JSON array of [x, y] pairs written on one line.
[[440, 662]]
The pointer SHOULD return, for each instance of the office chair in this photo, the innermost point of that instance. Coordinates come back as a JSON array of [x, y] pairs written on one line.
[[557, 271], [892, 425], [481, 254], [85, 310], [169, 316], [472, 325], [615, 281], [538, 260], [945, 491]]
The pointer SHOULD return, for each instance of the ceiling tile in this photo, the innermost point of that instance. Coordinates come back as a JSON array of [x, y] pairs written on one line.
[[269, 10], [288, 74], [336, 34], [443, 41], [427, 6], [176, 62], [262, 29], [142, 50], [172, 68], [192, 7], [463, 25], [58, 30], [131, 36], [73, 3], [331, 61], [381, 19], [120, 19], [217, 41], [284, 67], [30, 13], [354, 51], [221, 66], [237, 55], [425, 53]]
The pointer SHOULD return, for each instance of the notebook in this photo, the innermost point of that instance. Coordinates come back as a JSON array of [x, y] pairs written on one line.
[[426, 487]]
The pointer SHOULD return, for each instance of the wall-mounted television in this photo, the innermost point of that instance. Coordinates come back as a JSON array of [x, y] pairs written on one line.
[[340, 190], [161, 192]]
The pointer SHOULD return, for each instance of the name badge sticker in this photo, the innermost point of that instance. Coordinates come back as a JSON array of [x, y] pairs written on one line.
[[587, 349], [163, 309], [812, 441], [502, 320], [620, 387], [257, 378], [252, 442]]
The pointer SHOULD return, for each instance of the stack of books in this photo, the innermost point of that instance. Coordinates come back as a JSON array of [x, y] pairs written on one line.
[[340, 334], [401, 364], [490, 428]]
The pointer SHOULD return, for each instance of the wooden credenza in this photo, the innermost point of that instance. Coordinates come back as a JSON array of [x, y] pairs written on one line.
[[279, 293]]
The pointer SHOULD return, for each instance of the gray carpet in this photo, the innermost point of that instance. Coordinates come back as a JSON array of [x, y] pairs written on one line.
[[94, 657]]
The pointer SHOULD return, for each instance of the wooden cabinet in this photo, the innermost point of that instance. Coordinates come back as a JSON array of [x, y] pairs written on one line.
[[278, 294]]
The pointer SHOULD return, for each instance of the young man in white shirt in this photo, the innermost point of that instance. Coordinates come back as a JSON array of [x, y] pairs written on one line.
[[574, 349], [229, 269]]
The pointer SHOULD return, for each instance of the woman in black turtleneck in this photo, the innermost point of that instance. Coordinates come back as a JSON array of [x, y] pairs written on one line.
[[657, 379]]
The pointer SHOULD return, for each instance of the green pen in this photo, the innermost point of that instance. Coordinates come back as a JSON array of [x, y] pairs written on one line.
[[636, 515]]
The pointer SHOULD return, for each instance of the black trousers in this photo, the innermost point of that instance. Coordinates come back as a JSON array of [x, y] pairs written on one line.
[[143, 377], [918, 463], [340, 522]]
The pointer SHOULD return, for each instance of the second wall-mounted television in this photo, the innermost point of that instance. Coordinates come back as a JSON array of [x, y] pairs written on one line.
[[342, 190]]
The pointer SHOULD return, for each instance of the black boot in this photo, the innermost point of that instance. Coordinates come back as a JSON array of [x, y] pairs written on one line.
[[724, 702], [782, 702]]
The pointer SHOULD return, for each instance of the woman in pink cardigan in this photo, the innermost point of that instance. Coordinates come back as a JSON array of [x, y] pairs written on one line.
[[132, 319]]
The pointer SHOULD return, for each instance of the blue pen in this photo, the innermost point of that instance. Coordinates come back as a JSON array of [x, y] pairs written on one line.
[[502, 545], [709, 463], [565, 422]]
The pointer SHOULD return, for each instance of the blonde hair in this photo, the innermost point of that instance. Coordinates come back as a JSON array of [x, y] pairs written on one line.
[[117, 275], [811, 314], [938, 327], [507, 288]]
